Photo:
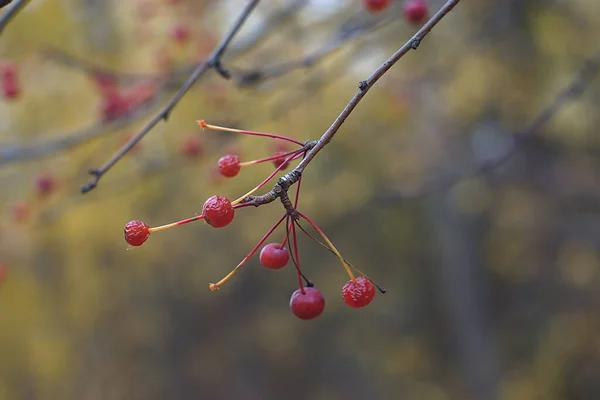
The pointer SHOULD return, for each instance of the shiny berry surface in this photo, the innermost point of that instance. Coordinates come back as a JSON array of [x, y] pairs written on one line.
[[218, 211], [376, 5], [415, 11], [136, 232], [307, 305], [229, 165], [358, 293], [274, 256]]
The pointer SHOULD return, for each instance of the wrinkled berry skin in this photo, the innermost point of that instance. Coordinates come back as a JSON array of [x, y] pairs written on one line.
[[218, 211], [274, 256], [358, 293], [309, 305], [229, 165], [136, 232]]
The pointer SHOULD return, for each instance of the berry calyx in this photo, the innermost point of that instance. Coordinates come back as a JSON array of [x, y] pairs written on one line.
[[136, 232], [229, 165], [307, 303], [218, 211], [359, 292], [274, 256], [415, 11], [376, 5]]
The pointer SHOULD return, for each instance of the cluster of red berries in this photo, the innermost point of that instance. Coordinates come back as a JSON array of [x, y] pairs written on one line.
[[415, 11], [218, 211], [9, 81]]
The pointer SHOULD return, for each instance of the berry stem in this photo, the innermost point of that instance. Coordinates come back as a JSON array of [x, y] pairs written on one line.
[[174, 224], [333, 248], [380, 288], [271, 158], [263, 183], [293, 257], [203, 124], [216, 286]]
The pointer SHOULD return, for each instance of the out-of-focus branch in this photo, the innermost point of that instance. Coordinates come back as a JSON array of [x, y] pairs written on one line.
[[11, 11], [572, 91], [10, 153], [214, 61], [284, 183]]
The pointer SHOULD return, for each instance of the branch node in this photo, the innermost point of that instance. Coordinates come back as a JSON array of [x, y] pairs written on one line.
[[363, 85], [415, 43], [222, 70]]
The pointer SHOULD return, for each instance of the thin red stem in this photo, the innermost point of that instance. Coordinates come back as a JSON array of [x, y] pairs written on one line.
[[215, 286], [203, 124], [297, 258], [271, 158]]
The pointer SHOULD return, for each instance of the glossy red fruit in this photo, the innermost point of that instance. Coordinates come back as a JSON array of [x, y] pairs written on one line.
[[358, 293], [281, 160], [274, 256], [136, 232], [45, 184], [229, 165], [218, 211], [376, 5], [191, 147], [307, 305], [415, 11]]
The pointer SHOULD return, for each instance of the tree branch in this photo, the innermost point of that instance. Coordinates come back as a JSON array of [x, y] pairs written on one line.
[[284, 183], [11, 12], [214, 61]]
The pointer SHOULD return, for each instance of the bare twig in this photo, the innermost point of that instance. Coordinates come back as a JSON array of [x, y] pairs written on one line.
[[10, 153], [11, 12], [214, 61], [284, 183]]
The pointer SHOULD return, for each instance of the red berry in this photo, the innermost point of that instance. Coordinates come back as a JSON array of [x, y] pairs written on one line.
[[281, 160], [45, 184], [181, 33], [218, 211], [307, 305], [191, 147], [136, 232], [415, 11], [358, 293], [274, 256], [114, 106], [10, 89], [376, 5], [8, 71], [229, 165]]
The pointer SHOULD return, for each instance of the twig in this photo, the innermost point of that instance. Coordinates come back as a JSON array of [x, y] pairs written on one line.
[[11, 12], [284, 183], [214, 61], [10, 153], [574, 89]]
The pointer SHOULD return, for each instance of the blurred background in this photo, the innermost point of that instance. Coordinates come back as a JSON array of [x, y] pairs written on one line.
[[449, 185]]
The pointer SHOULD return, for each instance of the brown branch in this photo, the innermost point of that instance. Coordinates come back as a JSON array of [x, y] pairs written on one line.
[[11, 12], [214, 61], [284, 183]]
